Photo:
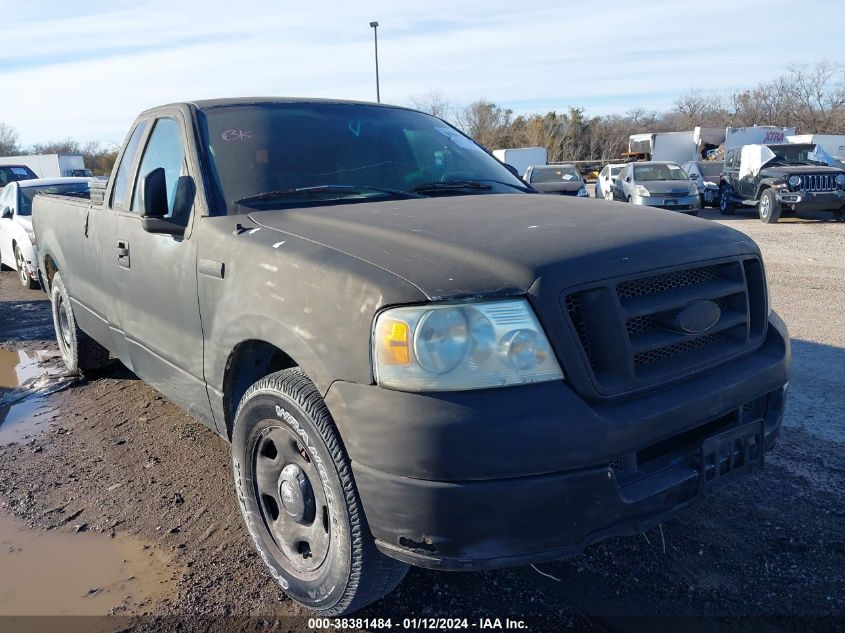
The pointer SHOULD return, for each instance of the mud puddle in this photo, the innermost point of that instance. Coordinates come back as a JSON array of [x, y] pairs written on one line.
[[26, 378], [57, 573]]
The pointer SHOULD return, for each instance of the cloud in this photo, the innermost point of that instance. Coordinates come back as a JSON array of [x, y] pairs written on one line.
[[87, 74]]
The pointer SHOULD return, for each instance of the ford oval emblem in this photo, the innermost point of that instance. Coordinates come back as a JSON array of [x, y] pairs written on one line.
[[699, 316]]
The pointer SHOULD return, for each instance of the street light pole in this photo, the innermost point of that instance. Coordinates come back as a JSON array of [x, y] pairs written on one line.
[[375, 35]]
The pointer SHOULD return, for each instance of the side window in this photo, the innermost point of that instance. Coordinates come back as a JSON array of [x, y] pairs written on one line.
[[729, 159], [603, 174], [164, 150], [120, 193]]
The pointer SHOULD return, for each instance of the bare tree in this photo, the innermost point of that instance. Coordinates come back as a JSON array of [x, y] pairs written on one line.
[[434, 104], [486, 122], [8, 140]]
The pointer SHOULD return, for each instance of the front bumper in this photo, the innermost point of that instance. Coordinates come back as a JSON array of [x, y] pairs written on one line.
[[810, 201], [684, 204], [493, 478]]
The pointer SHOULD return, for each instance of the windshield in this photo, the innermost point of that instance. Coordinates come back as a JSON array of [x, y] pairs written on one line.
[[659, 172], [354, 152], [26, 194], [792, 153], [13, 173], [565, 173], [711, 171]]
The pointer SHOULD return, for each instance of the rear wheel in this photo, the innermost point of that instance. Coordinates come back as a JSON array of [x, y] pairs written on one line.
[[79, 351], [726, 203], [294, 484], [769, 207], [27, 281]]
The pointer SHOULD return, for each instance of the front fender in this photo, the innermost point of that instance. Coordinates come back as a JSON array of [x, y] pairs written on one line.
[[296, 343]]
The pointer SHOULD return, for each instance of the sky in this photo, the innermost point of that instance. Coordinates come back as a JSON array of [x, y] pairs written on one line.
[[84, 69]]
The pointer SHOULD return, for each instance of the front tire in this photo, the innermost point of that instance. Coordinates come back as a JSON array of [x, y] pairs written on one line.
[[25, 278], [79, 351], [299, 501], [769, 207], [726, 204]]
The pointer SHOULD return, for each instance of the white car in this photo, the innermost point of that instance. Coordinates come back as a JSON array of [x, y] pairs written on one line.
[[607, 176], [17, 241]]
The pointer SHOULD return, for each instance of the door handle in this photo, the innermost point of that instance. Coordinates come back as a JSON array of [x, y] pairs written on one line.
[[212, 268], [123, 253]]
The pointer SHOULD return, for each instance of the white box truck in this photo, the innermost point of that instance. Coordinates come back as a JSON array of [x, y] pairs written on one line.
[[736, 137], [676, 147], [521, 158], [833, 144], [50, 165]]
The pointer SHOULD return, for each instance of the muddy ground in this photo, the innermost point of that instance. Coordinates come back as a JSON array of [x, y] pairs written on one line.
[[110, 457]]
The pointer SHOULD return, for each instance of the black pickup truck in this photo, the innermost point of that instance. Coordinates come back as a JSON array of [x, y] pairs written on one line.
[[417, 359], [789, 180]]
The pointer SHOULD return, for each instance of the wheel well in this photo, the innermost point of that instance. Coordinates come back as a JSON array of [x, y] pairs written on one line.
[[247, 364], [51, 269]]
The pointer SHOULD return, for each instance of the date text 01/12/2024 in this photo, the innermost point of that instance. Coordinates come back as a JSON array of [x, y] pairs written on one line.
[[417, 623]]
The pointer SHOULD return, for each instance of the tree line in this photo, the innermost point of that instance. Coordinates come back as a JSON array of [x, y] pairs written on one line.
[[809, 98], [99, 158]]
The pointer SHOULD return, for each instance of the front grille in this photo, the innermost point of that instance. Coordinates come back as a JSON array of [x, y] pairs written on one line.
[[627, 329], [818, 182]]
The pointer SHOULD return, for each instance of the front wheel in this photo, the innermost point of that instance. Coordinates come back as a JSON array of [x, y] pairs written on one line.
[[769, 207], [726, 204], [27, 281], [295, 489]]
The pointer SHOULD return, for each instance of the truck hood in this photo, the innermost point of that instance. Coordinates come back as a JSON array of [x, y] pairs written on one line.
[[480, 245], [789, 170]]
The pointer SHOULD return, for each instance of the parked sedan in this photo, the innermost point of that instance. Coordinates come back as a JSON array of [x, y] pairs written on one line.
[[706, 174], [17, 240], [13, 173], [607, 176], [657, 184], [563, 180]]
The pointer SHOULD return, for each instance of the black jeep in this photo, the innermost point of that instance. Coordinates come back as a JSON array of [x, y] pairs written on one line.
[[791, 180]]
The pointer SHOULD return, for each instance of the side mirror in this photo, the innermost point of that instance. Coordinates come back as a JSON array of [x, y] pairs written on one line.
[[7, 213], [162, 226], [154, 194], [183, 201]]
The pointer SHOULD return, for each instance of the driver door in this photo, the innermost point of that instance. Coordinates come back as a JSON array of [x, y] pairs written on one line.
[[159, 310]]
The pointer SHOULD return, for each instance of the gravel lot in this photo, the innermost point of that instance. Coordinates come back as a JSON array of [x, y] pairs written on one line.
[[114, 457]]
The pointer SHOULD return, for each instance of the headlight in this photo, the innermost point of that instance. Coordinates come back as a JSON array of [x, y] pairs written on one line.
[[582, 192], [642, 191], [840, 180], [693, 190], [794, 181], [461, 346], [710, 185]]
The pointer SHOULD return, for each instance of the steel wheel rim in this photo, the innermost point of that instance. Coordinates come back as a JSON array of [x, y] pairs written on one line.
[[64, 323], [764, 206], [22, 268], [291, 499]]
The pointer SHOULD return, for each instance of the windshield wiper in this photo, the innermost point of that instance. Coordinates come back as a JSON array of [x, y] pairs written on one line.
[[327, 189], [457, 185]]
